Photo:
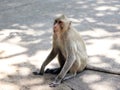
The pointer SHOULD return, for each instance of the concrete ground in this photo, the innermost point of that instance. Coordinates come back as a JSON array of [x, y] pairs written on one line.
[[26, 35]]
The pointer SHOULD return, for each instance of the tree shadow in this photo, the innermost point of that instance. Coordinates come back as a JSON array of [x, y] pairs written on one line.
[[90, 80]]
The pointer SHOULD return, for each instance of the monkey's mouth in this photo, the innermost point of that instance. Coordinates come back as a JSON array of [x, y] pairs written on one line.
[[55, 31]]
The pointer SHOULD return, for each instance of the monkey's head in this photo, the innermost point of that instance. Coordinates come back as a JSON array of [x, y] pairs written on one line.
[[61, 24]]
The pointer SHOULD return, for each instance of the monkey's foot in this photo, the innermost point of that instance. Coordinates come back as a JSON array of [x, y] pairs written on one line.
[[53, 71], [37, 73], [69, 76], [54, 84]]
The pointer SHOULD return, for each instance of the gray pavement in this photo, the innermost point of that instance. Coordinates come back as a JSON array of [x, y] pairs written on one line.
[[25, 41]]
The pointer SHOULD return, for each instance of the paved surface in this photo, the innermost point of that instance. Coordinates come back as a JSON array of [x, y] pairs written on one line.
[[25, 41]]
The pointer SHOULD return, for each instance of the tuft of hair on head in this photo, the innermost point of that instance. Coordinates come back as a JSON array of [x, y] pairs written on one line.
[[63, 16]]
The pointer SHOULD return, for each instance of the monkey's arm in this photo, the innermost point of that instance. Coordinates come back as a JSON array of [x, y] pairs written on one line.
[[68, 64], [50, 57]]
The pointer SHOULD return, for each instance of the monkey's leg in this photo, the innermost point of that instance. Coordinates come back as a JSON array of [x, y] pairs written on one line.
[[63, 73], [53, 71], [69, 76], [73, 71], [61, 61]]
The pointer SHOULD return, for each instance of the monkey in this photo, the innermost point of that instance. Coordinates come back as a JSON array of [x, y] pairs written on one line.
[[70, 48]]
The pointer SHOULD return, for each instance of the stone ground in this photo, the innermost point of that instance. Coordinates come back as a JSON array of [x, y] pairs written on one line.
[[25, 42]]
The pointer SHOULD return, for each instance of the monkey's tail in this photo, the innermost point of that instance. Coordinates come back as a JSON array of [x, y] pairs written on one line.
[[110, 71]]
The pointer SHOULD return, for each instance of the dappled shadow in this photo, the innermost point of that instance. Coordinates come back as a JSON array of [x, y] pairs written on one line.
[[26, 36], [100, 15], [23, 79], [116, 47], [92, 80]]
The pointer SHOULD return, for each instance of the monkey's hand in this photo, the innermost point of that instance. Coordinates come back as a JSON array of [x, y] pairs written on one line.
[[37, 73]]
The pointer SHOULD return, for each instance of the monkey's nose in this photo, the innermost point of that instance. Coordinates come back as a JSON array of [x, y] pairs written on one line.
[[54, 28]]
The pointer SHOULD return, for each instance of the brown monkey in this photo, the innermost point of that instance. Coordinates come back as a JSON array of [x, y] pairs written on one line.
[[70, 48]]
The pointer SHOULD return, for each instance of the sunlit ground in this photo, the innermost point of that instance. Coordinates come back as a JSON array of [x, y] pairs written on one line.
[[16, 63]]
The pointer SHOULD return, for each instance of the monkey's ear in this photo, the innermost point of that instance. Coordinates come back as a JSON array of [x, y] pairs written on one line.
[[63, 16]]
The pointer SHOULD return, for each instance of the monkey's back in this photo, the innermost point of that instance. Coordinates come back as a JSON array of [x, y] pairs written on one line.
[[75, 37]]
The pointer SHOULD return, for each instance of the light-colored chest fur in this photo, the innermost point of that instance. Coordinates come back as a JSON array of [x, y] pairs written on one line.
[[61, 44]]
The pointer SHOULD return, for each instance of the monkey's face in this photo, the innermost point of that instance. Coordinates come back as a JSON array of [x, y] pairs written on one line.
[[58, 26], [61, 26]]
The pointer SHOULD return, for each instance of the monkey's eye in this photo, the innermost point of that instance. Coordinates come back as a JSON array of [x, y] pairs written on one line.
[[60, 22], [55, 21]]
